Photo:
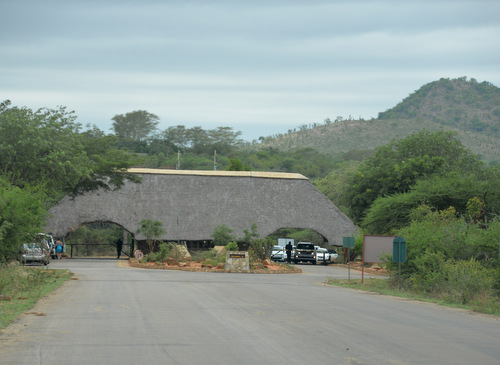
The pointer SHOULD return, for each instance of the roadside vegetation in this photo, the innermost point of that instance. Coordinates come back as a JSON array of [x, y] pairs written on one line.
[[380, 286], [175, 257], [451, 260], [172, 255], [445, 202], [21, 287]]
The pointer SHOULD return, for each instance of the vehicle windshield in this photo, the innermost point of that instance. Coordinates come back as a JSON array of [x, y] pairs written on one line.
[[305, 246], [34, 245]]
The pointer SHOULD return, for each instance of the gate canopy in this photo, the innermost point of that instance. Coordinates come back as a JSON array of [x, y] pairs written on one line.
[[191, 204]]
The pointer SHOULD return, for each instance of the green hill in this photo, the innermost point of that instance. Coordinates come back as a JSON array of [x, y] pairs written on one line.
[[467, 107]]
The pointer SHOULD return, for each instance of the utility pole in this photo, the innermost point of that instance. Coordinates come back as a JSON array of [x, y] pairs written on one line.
[[178, 160], [215, 160]]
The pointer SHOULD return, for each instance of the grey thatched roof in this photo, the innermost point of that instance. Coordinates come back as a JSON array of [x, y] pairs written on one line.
[[192, 203]]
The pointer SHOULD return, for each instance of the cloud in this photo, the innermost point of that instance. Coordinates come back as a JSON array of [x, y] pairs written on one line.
[[261, 66]]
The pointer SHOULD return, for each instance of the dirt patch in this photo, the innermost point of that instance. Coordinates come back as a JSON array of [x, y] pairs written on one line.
[[263, 267], [374, 269]]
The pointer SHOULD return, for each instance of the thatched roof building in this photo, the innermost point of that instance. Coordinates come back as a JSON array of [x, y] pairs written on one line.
[[191, 204]]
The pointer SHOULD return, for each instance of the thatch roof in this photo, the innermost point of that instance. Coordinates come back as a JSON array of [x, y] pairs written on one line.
[[192, 203]]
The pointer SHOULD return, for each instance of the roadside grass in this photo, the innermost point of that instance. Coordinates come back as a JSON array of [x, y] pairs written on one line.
[[21, 287], [486, 304]]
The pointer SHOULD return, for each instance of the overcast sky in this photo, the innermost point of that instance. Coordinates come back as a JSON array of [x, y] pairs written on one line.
[[261, 67]]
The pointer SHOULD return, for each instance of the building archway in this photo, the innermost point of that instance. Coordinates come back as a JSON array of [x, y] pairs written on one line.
[[99, 239]]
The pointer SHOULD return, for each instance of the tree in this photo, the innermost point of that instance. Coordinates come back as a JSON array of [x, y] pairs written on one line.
[[22, 215], [136, 125], [251, 235], [46, 148], [176, 135], [260, 248], [237, 165], [335, 185], [199, 139], [41, 147], [222, 235], [151, 229], [108, 166], [223, 139], [395, 167], [438, 192]]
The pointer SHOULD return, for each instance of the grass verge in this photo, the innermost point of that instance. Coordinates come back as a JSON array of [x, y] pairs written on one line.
[[21, 287], [384, 286]]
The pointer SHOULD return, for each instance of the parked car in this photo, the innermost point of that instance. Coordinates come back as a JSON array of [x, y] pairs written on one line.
[[322, 255], [333, 255], [49, 240], [35, 252], [304, 252], [278, 254]]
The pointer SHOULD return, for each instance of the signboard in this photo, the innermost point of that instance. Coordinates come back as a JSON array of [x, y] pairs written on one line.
[[237, 261], [399, 250], [348, 242], [375, 247]]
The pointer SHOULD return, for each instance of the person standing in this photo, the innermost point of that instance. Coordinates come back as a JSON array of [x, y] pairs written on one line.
[[119, 245], [288, 249], [59, 249]]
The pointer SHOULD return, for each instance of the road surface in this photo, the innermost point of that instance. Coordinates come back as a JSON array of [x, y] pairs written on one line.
[[114, 314]]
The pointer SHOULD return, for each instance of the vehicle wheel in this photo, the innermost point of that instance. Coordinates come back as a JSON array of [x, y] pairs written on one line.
[[314, 262]]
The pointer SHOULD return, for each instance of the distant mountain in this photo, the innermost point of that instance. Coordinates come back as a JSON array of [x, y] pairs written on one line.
[[458, 103], [470, 108]]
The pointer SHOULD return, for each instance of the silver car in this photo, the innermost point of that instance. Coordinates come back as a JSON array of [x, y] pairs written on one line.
[[35, 252]]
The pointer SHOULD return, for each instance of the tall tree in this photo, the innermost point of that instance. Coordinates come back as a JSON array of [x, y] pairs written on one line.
[[177, 135], [223, 139], [136, 125], [40, 147], [47, 149]]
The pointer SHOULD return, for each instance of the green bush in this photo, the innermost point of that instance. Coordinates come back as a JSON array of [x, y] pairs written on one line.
[[22, 215], [213, 258], [261, 248], [426, 274], [222, 235], [468, 281], [232, 246], [166, 252], [450, 258]]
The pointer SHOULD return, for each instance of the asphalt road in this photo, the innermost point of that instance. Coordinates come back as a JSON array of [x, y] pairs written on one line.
[[114, 314]]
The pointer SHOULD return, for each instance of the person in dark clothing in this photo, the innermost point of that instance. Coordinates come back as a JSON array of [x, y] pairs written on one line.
[[119, 245], [288, 249]]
